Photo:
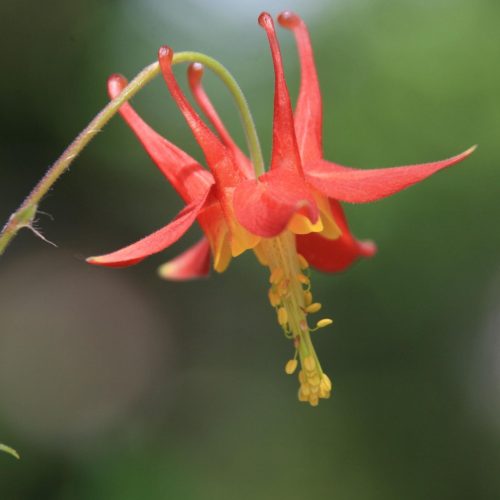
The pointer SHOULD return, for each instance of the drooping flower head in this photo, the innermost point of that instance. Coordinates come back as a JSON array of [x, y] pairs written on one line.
[[289, 216]]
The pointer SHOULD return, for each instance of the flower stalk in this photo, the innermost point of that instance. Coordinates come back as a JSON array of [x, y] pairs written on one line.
[[24, 216]]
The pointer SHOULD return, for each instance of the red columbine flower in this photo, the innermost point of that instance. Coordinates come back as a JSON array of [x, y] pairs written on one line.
[[290, 216]]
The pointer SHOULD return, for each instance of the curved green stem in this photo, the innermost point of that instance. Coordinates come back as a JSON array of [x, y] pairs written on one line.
[[25, 214], [241, 103]]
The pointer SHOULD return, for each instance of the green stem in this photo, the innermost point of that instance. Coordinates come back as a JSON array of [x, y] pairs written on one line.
[[24, 215], [241, 103]]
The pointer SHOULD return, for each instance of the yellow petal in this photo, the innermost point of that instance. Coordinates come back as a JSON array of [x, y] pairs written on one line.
[[300, 224]]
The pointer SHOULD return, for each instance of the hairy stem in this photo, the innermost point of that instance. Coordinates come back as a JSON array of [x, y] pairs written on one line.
[[25, 214]]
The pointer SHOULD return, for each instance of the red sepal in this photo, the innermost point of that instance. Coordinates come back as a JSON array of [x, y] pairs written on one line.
[[308, 116], [266, 205], [191, 264], [363, 186], [185, 174], [155, 242], [332, 256]]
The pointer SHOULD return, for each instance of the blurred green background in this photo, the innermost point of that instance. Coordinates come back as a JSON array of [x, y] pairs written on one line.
[[116, 385]]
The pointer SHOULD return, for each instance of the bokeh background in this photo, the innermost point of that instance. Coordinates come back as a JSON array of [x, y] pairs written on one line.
[[116, 385]]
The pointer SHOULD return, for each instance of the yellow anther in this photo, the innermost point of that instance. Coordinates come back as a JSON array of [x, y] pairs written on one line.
[[305, 389], [309, 363], [308, 298], [291, 366], [283, 288], [276, 276], [313, 308], [282, 316], [274, 298], [326, 383], [324, 322], [302, 397], [314, 380], [302, 261], [314, 400], [323, 393], [302, 377], [303, 279]]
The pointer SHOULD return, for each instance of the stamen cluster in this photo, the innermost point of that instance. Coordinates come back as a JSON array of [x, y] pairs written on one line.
[[313, 384], [290, 294]]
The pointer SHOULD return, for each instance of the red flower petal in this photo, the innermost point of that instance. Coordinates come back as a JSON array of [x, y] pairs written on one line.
[[219, 158], [186, 175], [334, 255], [308, 111], [285, 153], [192, 264], [156, 242], [195, 74], [266, 205], [363, 186]]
